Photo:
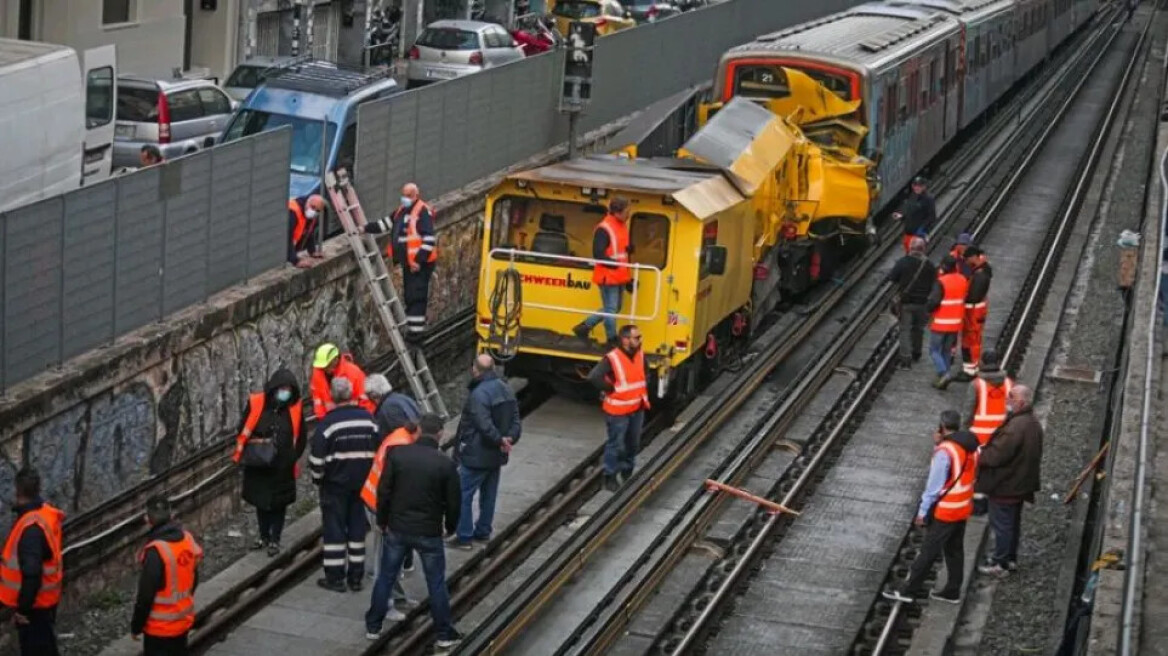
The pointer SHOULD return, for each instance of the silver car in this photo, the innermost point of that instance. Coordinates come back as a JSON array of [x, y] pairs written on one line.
[[179, 117], [452, 48]]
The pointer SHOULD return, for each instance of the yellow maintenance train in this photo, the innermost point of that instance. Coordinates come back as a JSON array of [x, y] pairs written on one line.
[[760, 203]]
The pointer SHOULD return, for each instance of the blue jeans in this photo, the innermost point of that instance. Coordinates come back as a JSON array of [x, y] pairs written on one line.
[[610, 302], [486, 483], [941, 351], [624, 441], [432, 553], [1006, 522]]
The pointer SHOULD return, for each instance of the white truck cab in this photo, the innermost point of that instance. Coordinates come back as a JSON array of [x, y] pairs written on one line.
[[56, 119]]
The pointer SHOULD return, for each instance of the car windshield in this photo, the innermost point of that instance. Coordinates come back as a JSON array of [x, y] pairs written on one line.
[[639, 4], [308, 148], [448, 38], [137, 104], [577, 9], [246, 77]]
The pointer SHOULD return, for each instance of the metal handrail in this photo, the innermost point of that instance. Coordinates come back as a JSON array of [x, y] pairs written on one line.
[[510, 255]]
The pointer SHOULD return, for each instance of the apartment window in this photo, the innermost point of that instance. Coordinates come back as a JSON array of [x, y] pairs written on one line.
[[117, 11]]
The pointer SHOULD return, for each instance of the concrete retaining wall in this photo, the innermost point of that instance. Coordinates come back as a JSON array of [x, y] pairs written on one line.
[[111, 418]]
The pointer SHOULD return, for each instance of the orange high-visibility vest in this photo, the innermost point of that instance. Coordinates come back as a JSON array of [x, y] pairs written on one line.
[[301, 223], [630, 392], [173, 612], [949, 315], [990, 412], [957, 504], [49, 519], [618, 252], [399, 437], [255, 408], [410, 236], [322, 395]]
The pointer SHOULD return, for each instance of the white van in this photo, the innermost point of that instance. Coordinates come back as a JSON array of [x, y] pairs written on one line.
[[56, 119]]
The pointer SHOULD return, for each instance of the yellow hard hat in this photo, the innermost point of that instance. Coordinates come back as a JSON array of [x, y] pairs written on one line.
[[325, 353]]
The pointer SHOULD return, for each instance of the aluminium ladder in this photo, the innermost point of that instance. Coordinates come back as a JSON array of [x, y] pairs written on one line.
[[385, 297]]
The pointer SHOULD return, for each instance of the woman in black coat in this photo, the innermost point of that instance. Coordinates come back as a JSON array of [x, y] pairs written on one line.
[[272, 489]]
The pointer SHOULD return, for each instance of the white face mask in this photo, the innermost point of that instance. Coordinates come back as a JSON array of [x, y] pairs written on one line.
[[311, 214], [1009, 408]]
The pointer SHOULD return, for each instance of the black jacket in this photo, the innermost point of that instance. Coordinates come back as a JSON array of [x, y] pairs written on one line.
[[419, 490], [395, 225], [490, 414], [920, 213], [151, 581], [979, 284], [1011, 462], [31, 553], [275, 487], [913, 276], [343, 447], [395, 411]]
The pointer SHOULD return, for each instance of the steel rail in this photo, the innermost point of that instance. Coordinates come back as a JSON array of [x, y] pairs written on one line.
[[1133, 571], [1053, 253]]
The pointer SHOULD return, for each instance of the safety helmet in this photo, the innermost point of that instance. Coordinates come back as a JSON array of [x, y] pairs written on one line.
[[989, 360], [325, 354], [964, 239], [920, 180]]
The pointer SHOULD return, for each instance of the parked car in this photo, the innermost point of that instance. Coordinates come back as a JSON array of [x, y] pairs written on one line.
[[252, 73], [452, 48], [318, 100], [607, 15], [178, 116], [649, 11]]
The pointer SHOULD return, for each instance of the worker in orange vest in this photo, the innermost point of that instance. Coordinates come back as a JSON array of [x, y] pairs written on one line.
[[268, 448], [986, 398], [414, 245], [946, 505], [610, 244], [976, 309], [406, 434], [620, 376], [947, 304], [31, 570], [165, 609], [330, 363], [303, 217]]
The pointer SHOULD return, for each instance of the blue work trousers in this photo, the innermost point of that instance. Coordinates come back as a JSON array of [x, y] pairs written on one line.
[[1006, 523], [486, 483], [432, 553], [624, 441], [610, 302], [941, 351]]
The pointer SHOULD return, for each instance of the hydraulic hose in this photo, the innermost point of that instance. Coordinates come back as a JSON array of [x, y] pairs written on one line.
[[506, 308]]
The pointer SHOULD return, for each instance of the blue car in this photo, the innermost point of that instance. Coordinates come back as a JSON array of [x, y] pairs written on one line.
[[318, 100]]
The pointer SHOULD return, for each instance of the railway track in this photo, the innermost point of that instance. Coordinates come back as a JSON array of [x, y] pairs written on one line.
[[597, 633], [890, 626], [470, 584]]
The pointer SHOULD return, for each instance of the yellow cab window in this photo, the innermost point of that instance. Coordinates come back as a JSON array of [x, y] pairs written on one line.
[[545, 229], [649, 235], [709, 238]]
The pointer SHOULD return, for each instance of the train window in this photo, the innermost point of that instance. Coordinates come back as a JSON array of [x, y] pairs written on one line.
[[709, 238], [890, 106], [934, 83], [545, 227], [902, 100], [923, 93], [649, 235], [760, 81]]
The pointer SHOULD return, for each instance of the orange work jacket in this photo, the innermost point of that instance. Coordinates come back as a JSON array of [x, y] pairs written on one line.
[[173, 612], [255, 408], [990, 411], [957, 504], [949, 315], [49, 519], [618, 252], [322, 396], [301, 223], [630, 392], [399, 437]]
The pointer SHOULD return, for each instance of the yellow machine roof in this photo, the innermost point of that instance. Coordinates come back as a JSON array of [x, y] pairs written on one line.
[[703, 190]]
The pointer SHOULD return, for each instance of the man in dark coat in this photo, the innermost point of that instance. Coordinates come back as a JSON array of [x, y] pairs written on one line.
[[919, 212], [1010, 474], [488, 428], [272, 489], [913, 275]]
